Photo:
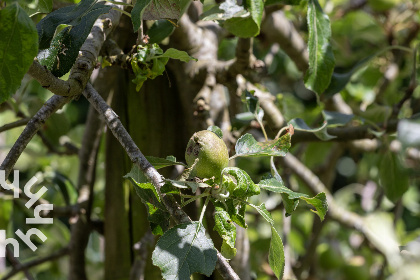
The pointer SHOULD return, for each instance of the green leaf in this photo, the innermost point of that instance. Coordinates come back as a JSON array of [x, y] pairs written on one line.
[[331, 119], [33, 7], [60, 52], [319, 202], [244, 186], [18, 47], [320, 132], [393, 176], [264, 213], [290, 198], [409, 132], [160, 30], [224, 11], [246, 26], [276, 254], [336, 118], [137, 13], [227, 230], [235, 208], [247, 146], [183, 250], [157, 213], [157, 9], [340, 80], [216, 130], [159, 163], [321, 57], [176, 54]]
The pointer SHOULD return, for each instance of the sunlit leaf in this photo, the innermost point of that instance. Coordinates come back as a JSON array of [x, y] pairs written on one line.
[[216, 130], [183, 250], [276, 254], [264, 213], [244, 187], [247, 26], [176, 54], [321, 57], [290, 198], [247, 146], [227, 230]]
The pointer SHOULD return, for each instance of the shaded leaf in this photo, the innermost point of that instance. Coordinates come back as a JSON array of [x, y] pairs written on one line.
[[157, 9], [336, 118], [216, 130], [18, 47], [320, 132], [162, 162], [227, 230], [321, 57], [157, 213], [393, 176], [243, 187], [340, 80], [330, 119], [183, 250], [60, 52], [276, 254], [247, 146], [137, 13], [160, 30], [290, 197]]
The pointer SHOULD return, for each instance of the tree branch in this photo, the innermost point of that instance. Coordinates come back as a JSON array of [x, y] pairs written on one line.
[[153, 176], [80, 229], [51, 106], [24, 267], [335, 211], [14, 124]]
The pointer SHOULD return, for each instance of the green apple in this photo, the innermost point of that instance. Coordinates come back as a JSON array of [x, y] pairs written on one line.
[[211, 152]]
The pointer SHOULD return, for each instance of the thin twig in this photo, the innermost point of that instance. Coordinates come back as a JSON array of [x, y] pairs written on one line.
[[16, 264], [25, 266], [15, 124]]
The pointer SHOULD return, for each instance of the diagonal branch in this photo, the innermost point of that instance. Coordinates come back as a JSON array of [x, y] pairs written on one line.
[[153, 176], [25, 266]]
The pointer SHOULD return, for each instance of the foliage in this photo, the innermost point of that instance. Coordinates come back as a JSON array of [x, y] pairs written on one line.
[[342, 77]]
